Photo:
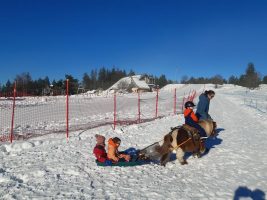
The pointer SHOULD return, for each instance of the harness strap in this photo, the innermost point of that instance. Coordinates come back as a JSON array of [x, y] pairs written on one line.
[[191, 134], [181, 144]]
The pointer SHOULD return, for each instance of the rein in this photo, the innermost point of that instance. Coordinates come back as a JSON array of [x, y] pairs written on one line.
[[181, 144]]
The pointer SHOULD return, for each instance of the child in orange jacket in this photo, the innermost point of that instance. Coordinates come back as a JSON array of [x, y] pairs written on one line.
[[191, 119], [113, 152]]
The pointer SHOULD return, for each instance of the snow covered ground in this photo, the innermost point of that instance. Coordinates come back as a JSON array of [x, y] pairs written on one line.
[[49, 167]]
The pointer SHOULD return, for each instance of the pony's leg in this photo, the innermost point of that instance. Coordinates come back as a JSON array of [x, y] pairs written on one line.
[[202, 148], [165, 158], [180, 156], [196, 152]]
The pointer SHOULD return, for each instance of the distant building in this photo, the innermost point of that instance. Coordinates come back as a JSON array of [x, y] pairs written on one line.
[[134, 83]]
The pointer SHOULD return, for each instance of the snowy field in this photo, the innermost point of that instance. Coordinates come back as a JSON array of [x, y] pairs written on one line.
[[49, 167]]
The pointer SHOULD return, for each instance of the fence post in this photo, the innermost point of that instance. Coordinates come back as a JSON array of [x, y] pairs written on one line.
[[13, 112], [139, 113], [188, 97], [114, 122], [157, 100], [194, 95], [182, 108], [67, 109], [174, 102]]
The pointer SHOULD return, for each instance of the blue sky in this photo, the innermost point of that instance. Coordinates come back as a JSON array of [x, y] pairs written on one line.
[[176, 38]]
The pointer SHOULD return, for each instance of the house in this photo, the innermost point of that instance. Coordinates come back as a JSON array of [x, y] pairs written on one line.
[[131, 84]]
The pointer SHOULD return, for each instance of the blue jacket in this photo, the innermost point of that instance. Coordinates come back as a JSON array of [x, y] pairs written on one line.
[[203, 107]]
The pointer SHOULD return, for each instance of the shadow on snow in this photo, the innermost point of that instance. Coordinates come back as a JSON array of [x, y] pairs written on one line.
[[242, 192]]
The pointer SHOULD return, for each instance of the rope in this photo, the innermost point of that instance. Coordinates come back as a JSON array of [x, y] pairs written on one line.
[[181, 144]]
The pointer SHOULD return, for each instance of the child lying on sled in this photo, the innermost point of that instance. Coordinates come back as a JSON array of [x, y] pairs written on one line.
[[113, 152]]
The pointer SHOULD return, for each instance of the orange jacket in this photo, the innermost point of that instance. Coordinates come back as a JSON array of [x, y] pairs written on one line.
[[113, 153], [192, 115]]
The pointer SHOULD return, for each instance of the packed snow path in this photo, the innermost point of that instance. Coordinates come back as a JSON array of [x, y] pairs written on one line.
[[236, 165]]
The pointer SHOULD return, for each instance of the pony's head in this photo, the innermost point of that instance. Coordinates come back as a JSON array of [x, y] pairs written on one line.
[[209, 126]]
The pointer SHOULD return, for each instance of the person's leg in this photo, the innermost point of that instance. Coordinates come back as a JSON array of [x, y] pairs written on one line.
[[202, 132], [198, 115]]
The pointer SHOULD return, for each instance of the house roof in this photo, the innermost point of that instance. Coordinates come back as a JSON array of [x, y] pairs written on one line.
[[135, 79]]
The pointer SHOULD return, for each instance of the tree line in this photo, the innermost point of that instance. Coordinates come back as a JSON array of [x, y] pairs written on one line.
[[97, 79], [251, 79], [105, 78]]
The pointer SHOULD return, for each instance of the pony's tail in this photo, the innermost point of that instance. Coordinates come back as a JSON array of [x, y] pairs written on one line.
[[165, 147]]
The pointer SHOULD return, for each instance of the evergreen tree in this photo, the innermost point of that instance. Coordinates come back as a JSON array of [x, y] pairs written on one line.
[[58, 87], [233, 80], [94, 79], [73, 84], [8, 88], [242, 80], [24, 83], [251, 78], [184, 79], [102, 77], [162, 81], [131, 73], [86, 82], [264, 80]]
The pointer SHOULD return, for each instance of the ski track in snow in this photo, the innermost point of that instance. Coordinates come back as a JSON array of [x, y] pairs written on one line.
[[52, 168]]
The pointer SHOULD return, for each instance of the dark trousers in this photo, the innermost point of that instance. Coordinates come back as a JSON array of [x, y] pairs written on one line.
[[202, 132]]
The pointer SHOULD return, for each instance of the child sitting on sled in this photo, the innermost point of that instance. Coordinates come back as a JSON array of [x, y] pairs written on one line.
[[113, 152], [100, 152]]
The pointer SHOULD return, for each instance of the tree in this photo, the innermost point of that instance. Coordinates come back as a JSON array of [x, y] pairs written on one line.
[[24, 83], [73, 84], [233, 80], [184, 79], [40, 85], [86, 82], [8, 87], [102, 77], [264, 80], [217, 80], [251, 79], [131, 73], [94, 79], [162, 81]]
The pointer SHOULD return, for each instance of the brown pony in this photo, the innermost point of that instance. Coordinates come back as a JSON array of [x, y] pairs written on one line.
[[185, 139]]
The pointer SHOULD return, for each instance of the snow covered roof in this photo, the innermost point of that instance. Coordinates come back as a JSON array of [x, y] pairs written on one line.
[[131, 79]]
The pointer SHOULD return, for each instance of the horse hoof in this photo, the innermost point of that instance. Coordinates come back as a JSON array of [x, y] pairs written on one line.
[[202, 150], [184, 163], [196, 155]]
